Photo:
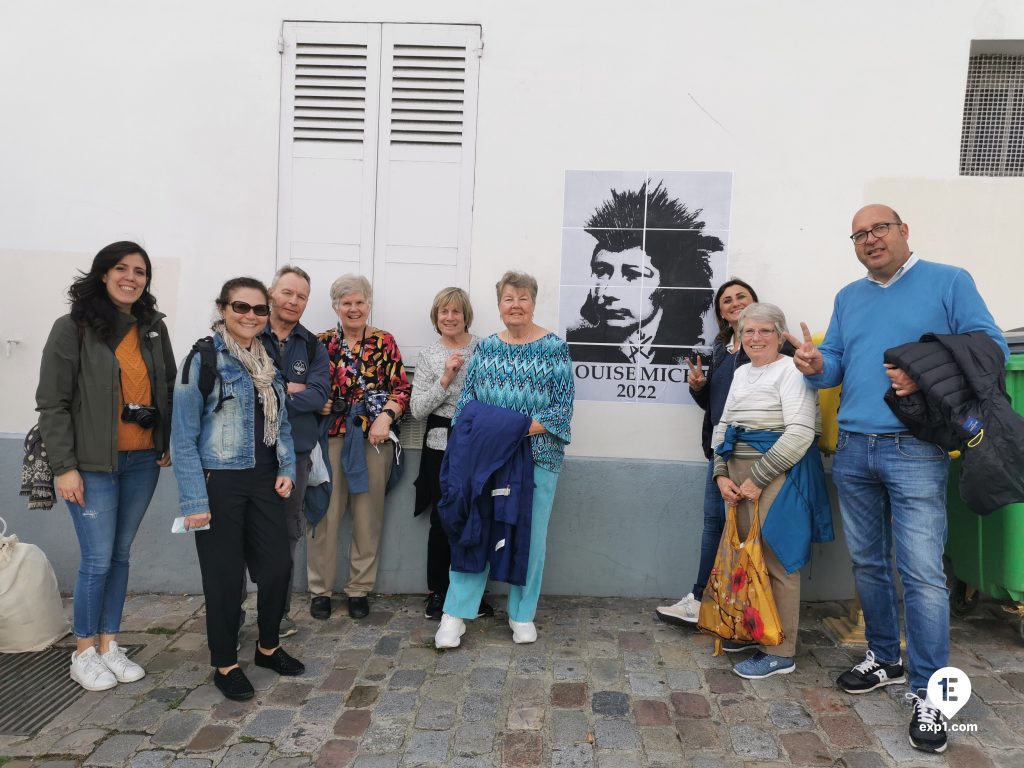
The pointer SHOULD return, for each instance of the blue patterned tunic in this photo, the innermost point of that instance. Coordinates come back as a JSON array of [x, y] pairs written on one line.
[[535, 379]]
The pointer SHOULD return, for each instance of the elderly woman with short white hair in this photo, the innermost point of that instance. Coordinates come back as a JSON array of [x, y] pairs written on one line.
[[369, 394], [524, 369], [765, 455]]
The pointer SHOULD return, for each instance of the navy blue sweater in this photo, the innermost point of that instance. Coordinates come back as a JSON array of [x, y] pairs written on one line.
[[486, 506]]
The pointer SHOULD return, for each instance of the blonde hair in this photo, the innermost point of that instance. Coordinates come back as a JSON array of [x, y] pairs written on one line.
[[520, 280], [350, 283], [451, 295]]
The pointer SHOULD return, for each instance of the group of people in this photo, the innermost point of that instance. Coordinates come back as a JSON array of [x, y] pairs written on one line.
[[263, 420], [265, 405], [760, 430]]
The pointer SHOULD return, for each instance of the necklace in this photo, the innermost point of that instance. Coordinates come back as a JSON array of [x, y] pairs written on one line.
[[752, 380]]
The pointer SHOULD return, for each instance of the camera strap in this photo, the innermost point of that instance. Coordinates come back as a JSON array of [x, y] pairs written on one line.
[[120, 376]]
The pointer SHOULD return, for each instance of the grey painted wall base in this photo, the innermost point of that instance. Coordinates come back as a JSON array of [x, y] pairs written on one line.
[[619, 528]]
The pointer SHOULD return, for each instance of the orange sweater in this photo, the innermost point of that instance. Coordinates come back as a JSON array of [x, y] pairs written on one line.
[[135, 388]]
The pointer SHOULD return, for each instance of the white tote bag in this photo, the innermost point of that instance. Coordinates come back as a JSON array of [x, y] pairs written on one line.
[[31, 613]]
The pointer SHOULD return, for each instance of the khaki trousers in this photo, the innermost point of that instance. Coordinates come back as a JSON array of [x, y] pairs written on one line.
[[785, 586], [367, 522]]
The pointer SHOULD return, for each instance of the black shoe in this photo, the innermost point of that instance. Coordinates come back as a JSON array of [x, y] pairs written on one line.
[[871, 674], [234, 685], [358, 607], [434, 606], [927, 728], [485, 609], [320, 607], [280, 662]]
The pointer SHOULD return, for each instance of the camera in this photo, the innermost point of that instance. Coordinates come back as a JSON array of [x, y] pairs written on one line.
[[143, 415], [341, 407]]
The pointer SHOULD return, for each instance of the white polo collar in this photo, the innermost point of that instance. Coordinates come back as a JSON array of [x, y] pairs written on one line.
[[899, 273]]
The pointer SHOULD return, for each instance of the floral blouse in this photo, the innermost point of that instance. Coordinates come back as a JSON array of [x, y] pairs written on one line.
[[372, 374]]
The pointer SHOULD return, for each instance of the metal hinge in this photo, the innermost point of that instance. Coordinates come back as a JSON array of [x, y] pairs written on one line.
[[280, 44]]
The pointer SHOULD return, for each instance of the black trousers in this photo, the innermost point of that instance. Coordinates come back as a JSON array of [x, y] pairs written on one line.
[[295, 520], [439, 555], [247, 528]]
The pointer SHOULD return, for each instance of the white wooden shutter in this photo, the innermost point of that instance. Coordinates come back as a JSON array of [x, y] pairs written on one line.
[[426, 152], [378, 141], [328, 155]]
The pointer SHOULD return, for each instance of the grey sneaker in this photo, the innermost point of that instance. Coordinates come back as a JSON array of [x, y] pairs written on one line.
[[288, 627]]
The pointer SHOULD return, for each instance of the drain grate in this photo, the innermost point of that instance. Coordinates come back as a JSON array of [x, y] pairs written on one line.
[[35, 688]]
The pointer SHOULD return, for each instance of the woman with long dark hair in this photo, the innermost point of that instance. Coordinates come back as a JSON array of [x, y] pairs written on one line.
[[235, 466], [105, 380], [709, 390]]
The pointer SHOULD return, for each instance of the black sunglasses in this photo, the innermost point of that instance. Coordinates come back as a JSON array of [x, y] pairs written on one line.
[[241, 308]]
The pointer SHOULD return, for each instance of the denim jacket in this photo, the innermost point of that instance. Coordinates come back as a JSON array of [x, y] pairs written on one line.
[[203, 438]]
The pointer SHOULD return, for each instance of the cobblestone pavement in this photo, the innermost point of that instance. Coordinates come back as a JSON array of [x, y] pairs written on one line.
[[606, 685]]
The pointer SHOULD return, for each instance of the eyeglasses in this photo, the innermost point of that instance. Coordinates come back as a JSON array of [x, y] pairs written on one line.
[[879, 231], [750, 333], [241, 308]]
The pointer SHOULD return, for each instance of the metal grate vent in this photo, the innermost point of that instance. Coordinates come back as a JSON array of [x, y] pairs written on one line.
[[330, 93], [36, 687], [427, 94], [993, 129]]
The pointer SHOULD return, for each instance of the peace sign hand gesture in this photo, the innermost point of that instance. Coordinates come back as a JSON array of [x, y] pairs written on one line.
[[808, 359], [696, 379]]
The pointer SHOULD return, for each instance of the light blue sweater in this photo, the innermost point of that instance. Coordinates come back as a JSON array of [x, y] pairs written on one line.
[[868, 319]]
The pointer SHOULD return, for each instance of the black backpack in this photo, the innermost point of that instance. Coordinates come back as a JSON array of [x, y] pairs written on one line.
[[208, 374]]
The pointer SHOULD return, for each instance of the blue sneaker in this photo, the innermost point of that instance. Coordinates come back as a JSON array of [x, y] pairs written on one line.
[[731, 646], [762, 665]]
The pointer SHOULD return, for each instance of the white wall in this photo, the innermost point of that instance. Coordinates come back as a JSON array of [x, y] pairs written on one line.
[[159, 122]]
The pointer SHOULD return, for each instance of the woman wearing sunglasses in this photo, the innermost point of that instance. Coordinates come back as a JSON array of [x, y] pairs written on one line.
[[235, 465]]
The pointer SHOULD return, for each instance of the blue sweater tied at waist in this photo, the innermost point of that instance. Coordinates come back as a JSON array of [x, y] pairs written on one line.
[[801, 513]]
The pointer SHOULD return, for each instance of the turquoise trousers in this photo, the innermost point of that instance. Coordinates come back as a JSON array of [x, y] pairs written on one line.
[[466, 589]]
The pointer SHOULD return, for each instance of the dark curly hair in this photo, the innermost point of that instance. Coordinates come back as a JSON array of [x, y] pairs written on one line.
[[91, 304]]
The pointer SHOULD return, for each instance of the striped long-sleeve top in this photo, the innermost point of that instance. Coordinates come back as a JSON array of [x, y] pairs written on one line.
[[773, 397]]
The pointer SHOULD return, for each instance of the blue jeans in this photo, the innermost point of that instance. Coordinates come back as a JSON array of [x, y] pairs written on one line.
[[894, 489], [114, 505], [714, 524]]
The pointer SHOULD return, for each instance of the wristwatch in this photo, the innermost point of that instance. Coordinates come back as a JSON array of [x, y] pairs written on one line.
[[390, 413]]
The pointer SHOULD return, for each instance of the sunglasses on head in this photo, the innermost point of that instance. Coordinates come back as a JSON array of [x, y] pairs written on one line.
[[241, 308]]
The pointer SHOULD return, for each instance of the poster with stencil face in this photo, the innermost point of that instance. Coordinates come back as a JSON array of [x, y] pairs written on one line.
[[642, 255]]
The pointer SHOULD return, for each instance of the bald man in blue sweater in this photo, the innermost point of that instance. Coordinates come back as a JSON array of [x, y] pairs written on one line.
[[892, 486]]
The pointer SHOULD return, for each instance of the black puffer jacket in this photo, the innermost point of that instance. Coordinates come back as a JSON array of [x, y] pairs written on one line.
[[963, 405]]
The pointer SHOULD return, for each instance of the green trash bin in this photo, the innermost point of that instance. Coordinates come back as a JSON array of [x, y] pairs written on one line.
[[986, 554]]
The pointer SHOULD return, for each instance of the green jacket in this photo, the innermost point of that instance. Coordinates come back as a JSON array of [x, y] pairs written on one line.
[[79, 393]]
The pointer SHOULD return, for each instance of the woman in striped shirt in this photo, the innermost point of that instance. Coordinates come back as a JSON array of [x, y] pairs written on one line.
[[763, 441]]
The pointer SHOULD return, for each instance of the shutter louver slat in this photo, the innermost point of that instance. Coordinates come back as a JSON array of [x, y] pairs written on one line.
[[427, 96], [330, 93]]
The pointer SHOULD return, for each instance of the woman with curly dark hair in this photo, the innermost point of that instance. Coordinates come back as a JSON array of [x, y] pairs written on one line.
[[105, 383]]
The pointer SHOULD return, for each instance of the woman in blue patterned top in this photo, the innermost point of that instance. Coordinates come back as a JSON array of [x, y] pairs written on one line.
[[524, 368]]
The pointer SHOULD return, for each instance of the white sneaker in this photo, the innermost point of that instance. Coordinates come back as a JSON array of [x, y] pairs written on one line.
[[523, 631], [123, 668], [449, 633], [686, 611], [89, 672]]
